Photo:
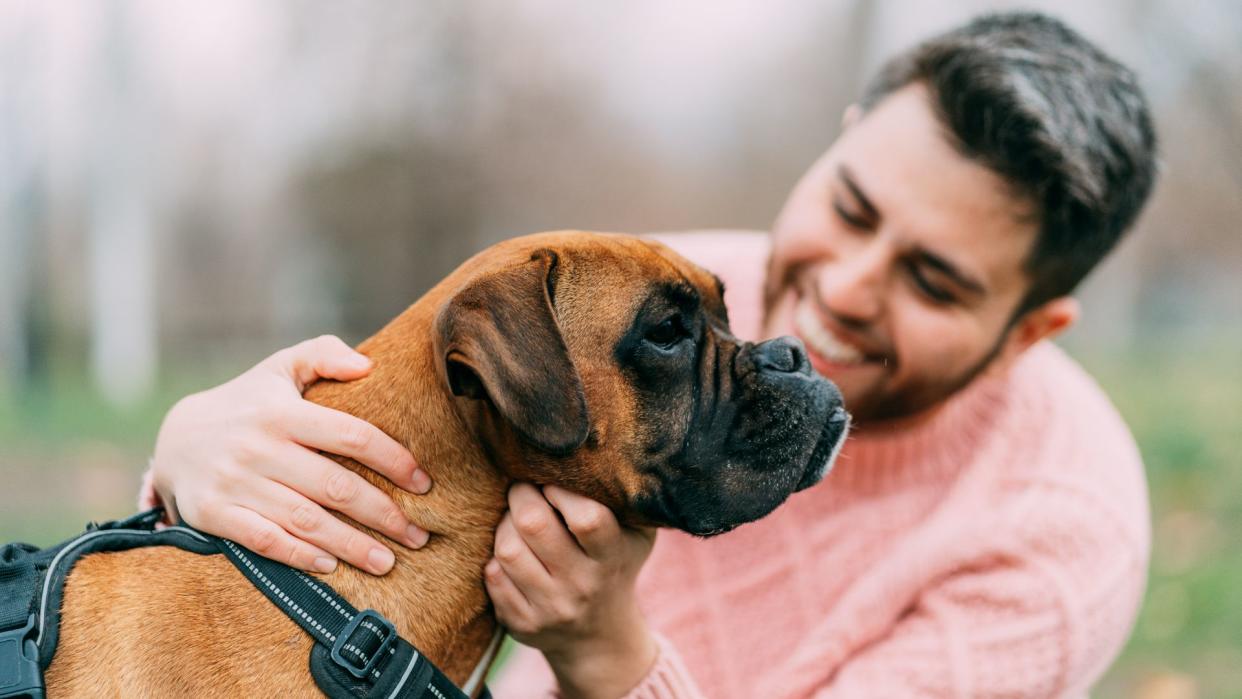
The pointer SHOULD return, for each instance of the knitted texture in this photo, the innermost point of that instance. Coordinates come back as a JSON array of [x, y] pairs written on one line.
[[995, 546]]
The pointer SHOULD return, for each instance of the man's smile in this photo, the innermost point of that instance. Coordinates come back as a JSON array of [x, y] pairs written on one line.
[[821, 340], [831, 346]]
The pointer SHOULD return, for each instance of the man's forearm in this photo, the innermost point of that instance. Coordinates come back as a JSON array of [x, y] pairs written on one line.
[[606, 668]]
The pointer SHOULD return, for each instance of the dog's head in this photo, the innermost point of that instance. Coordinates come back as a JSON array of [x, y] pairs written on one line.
[[604, 364]]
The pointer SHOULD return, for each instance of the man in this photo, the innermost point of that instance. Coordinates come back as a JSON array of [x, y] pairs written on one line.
[[985, 532]]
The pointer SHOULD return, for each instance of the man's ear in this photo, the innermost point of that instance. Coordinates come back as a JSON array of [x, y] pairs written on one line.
[[498, 340], [1042, 323]]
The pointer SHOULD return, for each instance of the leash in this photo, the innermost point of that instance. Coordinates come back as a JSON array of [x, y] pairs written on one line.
[[356, 655]]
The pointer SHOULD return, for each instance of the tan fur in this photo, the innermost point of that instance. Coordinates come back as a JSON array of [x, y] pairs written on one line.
[[160, 622]]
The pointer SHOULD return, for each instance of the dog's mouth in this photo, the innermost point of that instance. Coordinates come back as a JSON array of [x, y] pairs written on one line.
[[700, 508], [824, 455]]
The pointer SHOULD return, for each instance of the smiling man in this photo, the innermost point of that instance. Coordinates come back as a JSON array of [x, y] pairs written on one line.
[[902, 260], [985, 532]]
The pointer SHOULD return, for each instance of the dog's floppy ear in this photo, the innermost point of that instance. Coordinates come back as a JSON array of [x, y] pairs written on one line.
[[498, 340]]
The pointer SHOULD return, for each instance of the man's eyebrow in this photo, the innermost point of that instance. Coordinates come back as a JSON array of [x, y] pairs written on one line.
[[847, 178], [949, 270]]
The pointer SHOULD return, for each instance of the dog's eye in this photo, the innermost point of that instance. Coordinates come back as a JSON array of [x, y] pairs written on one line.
[[667, 333]]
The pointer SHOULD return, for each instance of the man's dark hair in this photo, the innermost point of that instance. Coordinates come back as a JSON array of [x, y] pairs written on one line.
[[1064, 124]]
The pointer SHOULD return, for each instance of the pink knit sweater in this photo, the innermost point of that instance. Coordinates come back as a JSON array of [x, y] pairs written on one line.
[[994, 547]]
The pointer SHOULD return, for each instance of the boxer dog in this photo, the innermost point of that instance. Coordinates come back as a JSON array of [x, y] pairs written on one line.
[[600, 363]]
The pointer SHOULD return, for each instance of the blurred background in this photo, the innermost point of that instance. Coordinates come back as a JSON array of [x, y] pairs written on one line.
[[187, 187]]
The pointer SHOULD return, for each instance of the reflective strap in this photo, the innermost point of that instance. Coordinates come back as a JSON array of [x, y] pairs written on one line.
[[357, 653]]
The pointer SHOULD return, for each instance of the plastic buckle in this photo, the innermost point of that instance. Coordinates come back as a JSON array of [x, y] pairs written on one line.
[[20, 674], [378, 624]]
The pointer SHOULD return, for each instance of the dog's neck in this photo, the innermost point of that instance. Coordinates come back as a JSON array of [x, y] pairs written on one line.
[[434, 595]]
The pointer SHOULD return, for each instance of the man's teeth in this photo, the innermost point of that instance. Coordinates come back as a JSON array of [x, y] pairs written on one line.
[[821, 340]]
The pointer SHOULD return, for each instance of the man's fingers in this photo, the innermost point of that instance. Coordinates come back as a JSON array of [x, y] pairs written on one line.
[[326, 356], [340, 433], [337, 488], [266, 538], [310, 523], [542, 530], [512, 608], [593, 525], [526, 570]]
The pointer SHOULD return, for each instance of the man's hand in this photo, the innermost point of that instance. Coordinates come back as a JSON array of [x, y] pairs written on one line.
[[563, 581], [241, 460]]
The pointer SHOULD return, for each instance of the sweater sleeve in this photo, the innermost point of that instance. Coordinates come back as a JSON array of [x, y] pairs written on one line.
[[1043, 617], [668, 677], [149, 497], [527, 676]]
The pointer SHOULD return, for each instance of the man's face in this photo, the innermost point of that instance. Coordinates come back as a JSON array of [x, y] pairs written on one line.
[[899, 262]]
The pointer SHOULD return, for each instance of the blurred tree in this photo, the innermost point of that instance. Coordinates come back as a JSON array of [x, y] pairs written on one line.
[[123, 349], [19, 196]]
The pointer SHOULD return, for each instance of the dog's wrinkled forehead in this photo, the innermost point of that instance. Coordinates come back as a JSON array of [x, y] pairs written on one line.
[[636, 272], [709, 287]]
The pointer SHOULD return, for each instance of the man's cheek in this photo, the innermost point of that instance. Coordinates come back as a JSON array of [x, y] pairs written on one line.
[[780, 320], [941, 358]]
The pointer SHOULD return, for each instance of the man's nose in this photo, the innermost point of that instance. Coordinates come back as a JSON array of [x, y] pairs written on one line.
[[852, 286]]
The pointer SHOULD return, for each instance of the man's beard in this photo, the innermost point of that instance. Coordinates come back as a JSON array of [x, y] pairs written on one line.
[[916, 398]]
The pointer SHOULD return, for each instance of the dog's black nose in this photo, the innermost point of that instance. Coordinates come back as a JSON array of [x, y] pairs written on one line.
[[784, 355]]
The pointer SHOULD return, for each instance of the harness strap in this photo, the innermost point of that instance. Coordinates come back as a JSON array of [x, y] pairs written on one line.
[[20, 675], [357, 654], [32, 583]]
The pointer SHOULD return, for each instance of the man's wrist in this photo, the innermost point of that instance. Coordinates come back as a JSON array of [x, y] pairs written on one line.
[[607, 667]]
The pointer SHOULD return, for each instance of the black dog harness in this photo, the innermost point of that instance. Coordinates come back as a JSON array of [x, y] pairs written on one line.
[[357, 654]]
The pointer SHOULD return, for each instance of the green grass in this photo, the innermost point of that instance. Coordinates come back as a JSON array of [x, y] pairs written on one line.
[[67, 457], [67, 411], [1186, 413]]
